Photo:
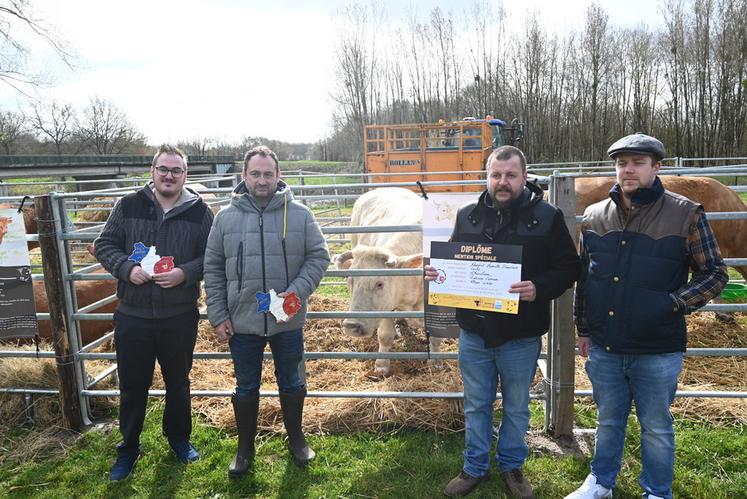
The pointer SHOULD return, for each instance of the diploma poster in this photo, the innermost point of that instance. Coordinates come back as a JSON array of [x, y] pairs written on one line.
[[439, 216], [17, 308], [475, 276]]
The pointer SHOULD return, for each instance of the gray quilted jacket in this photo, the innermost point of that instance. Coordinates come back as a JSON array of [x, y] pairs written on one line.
[[246, 253]]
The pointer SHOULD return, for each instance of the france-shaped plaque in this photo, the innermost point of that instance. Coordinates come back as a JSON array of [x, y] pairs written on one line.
[[283, 308], [149, 260]]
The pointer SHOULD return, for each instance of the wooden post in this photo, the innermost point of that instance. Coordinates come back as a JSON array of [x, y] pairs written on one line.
[[562, 341], [53, 282], [302, 182]]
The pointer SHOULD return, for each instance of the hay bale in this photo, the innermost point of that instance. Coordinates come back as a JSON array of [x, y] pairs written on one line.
[[97, 210], [41, 373]]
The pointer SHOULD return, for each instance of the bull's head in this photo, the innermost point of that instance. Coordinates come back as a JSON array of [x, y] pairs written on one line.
[[379, 293]]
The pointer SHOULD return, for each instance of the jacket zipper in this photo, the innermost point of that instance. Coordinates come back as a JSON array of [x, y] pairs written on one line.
[[240, 264], [262, 255]]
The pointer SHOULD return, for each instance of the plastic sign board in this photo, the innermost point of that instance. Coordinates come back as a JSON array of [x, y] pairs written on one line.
[[439, 216], [17, 307]]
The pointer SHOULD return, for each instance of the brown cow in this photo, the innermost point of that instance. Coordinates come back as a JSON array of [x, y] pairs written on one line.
[[87, 292], [4, 223], [712, 194], [29, 221]]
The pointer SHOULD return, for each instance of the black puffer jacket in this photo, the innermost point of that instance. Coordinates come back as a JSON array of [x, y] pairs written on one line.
[[549, 260], [181, 233]]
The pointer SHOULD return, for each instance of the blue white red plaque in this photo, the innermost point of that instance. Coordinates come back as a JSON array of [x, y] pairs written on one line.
[[149, 260], [283, 308]]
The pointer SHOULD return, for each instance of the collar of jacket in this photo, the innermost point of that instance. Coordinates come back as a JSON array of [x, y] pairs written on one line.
[[522, 207], [241, 198], [147, 192], [642, 196]]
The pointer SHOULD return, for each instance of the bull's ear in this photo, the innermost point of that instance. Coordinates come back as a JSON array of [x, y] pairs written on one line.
[[344, 261], [411, 261]]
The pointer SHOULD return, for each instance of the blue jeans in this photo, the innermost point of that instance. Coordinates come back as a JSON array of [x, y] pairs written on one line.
[[650, 381], [287, 355], [515, 362]]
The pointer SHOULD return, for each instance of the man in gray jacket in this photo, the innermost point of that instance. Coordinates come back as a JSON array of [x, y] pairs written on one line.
[[263, 241]]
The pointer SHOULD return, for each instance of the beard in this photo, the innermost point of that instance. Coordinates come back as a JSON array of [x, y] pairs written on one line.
[[503, 203], [171, 190]]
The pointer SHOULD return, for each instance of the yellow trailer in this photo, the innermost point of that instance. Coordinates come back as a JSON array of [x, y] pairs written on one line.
[[457, 146]]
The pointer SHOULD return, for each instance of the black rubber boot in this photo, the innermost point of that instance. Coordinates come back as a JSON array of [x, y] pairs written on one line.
[[245, 410], [292, 406]]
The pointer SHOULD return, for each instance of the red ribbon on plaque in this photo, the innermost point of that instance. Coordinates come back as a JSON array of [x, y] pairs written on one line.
[[291, 304], [165, 264]]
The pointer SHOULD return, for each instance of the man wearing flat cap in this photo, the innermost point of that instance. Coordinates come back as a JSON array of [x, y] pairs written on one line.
[[637, 249]]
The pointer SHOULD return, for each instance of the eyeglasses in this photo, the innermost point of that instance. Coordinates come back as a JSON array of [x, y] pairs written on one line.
[[175, 172]]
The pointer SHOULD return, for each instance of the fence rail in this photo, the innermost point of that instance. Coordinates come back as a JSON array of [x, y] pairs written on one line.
[[559, 387]]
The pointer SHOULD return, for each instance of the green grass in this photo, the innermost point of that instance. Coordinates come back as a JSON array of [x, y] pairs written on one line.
[[324, 180], [305, 163], [711, 462], [21, 187], [338, 291], [320, 166]]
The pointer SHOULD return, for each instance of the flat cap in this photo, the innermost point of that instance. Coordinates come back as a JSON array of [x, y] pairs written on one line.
[[638, 143]]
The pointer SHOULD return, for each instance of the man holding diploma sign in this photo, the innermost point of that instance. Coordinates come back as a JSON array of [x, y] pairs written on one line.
[[509, 216]]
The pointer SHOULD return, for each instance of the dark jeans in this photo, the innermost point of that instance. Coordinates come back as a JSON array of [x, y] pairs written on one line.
[[287, 355], [139, 343]]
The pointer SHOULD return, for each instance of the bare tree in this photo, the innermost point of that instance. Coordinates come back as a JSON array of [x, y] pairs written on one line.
[[12, 127], [642, 80], [106, 129], [357, 68], [198, 145], [595, 52], [17, 18], [54, 122], [730, 68]]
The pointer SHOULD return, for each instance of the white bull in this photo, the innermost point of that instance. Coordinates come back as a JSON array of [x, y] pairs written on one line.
[[385, 250]]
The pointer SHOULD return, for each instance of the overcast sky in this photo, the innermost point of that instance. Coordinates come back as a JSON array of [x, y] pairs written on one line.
[[227, 69]]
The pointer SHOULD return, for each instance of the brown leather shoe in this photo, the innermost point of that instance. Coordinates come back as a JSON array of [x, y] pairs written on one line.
[[517, 484], [463, 484]]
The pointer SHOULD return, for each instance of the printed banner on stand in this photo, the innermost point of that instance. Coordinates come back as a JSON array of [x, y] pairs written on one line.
[[439, 215], [17, 307]]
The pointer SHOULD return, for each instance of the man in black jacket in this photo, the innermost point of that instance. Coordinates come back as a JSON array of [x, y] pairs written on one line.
[[157, 314], [501, 346]]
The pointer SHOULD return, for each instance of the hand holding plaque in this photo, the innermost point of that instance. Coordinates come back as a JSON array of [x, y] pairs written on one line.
[[282, 305], [151, 262]]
